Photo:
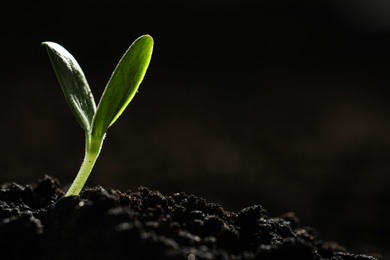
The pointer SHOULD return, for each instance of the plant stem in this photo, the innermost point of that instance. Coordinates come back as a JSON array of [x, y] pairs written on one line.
[[93, 146]]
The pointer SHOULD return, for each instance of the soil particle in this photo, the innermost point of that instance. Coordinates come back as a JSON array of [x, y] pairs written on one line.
[[38, 222]]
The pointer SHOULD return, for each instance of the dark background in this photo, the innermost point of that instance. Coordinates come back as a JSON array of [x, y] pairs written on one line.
[[278, 103]]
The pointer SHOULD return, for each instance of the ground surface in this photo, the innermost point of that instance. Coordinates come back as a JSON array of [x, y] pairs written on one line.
[[37, 222]]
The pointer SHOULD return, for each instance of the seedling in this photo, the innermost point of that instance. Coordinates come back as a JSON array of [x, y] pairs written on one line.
[[119, 91]]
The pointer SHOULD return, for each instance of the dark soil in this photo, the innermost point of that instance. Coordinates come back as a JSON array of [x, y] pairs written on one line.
[[38, 222]]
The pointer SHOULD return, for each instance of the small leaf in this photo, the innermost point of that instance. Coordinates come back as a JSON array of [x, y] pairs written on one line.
[[123, 84], [73, 84]]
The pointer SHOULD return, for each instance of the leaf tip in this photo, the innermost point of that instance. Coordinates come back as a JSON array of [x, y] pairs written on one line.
[[46, 43]]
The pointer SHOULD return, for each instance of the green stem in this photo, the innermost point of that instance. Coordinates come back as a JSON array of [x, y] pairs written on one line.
[[93, 146]]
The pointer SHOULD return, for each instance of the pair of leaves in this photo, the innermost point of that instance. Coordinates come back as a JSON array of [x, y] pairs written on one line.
[[119, 91]]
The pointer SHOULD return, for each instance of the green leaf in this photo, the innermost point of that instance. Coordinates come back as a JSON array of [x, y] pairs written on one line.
[[73, 84], [123, 84]]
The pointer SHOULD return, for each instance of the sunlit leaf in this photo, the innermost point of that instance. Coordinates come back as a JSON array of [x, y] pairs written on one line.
[[123, 84]]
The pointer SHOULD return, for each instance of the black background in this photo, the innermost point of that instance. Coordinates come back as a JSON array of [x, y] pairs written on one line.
[[279, 103]]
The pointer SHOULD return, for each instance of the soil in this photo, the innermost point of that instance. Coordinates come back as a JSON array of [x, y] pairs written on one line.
[[38, 222]]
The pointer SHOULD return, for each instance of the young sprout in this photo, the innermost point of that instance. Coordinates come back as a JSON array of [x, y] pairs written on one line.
[[119, 91]]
